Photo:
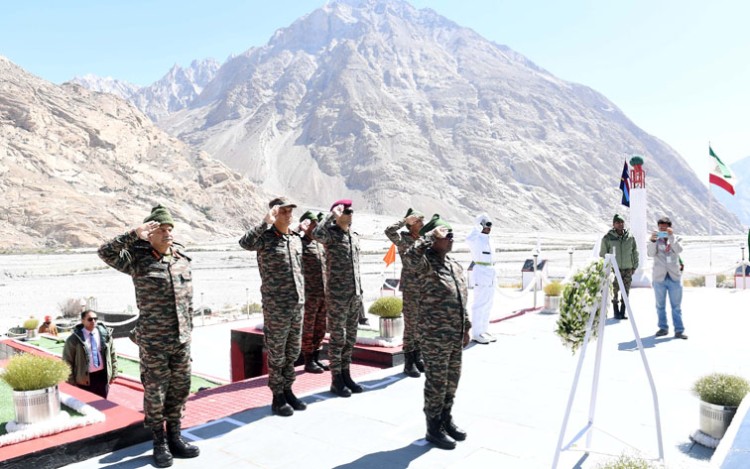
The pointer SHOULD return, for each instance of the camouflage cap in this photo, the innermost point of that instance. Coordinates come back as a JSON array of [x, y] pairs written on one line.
[[416, 213], [281, 202], [617, 218], [161, 215], [308, 215], [434, 223]]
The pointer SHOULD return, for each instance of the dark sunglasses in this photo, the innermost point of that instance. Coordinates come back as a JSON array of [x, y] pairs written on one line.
[[92, 319], [449, 235], [488, 224], [348, 211]]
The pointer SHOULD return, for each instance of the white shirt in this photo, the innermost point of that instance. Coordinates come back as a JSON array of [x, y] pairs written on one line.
[[98, 339]]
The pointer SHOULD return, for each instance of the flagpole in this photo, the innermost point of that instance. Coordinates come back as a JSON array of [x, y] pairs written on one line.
[[710, 225]]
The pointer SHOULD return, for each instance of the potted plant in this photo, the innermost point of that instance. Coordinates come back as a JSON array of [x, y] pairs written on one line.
[[552, 293], [720, 395], [34, 380], [30, 325], [391, 322]]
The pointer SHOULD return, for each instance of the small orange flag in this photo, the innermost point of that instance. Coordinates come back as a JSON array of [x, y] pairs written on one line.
[[390, 256]]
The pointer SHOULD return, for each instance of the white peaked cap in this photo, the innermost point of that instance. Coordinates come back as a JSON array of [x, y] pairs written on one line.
[[482, 218]]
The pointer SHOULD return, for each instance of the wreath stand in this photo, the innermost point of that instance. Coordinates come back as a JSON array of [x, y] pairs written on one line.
[[610, 264]]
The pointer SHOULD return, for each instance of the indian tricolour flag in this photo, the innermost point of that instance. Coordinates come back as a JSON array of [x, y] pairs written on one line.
[[722, 176]]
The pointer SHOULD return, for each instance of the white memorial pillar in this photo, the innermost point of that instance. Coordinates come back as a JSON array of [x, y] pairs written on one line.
[[638, 222]]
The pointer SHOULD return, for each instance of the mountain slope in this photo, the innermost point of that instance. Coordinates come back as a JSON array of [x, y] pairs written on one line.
[[399, 107], [78, 167]]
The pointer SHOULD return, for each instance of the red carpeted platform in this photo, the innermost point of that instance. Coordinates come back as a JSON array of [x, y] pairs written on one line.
[[124, 415]]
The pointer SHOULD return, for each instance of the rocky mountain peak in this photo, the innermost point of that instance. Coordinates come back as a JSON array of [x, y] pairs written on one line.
[[80, 166]]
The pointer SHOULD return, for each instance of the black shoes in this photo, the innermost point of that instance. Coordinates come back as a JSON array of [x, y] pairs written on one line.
[[349, 382], [680, 335], [316, 359], [279, 406], [292, 400], [418, 360], [661, 333], [162, 455], [311, 366], [450, 427], [436, 434], [177, 445], [410, 365], [338, 386]]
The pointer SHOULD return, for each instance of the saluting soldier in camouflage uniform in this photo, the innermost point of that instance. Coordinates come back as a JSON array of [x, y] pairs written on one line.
[[445, 327], [344, 293], [282, 292], [403, 240], [164, 294], [313, 267]]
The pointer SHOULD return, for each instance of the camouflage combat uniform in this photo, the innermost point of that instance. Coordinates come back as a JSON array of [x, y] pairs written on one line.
[[344, 291], [282, 295], [403, 241], [443, 321], [626, 254], [313, 267], [164, 294]]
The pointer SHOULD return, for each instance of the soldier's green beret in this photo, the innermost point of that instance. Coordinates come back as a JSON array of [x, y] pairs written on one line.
[[308, 216], [618, 218], [161, 215], [434, 223], [416, 213]]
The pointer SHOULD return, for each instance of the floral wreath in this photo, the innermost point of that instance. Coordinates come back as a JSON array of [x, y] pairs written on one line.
[[579, 298]]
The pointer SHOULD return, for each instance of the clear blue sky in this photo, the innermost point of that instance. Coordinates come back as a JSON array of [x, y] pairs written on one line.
[[679, 69]]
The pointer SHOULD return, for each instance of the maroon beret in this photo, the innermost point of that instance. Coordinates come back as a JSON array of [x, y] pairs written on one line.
[[345, 202]]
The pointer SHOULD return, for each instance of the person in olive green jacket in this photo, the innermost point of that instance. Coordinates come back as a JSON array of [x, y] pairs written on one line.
[[626, 254], [90, 352]]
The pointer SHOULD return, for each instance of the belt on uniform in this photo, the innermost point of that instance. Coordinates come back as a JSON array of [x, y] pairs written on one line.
[[483, 263]]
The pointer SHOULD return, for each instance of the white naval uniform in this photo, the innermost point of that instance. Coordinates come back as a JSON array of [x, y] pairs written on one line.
[[483, 280]]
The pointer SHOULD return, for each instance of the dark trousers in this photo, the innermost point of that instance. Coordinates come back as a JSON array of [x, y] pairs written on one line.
[[98, 383]]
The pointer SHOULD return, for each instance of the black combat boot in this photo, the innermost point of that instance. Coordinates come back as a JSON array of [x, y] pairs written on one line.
[[292, 400], [311, 366], [436, 434], [622, 310], [316, 357], [418, 361], [616, 309], [162, 456], [349, 382], [450, 427], [279, 406], [338, 387], [410, 367], [177, 445]]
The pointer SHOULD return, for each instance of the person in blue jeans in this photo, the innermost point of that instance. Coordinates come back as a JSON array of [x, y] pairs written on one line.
[[665, 249]]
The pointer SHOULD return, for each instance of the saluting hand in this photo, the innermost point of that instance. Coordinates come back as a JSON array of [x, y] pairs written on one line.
[[145, 230], [338, 211], [438, 233], [411, 219], [270, 217]]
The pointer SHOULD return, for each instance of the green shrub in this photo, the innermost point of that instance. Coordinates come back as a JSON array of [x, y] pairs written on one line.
[[31, 323], [387, 307], [628, 462], [28, 372], [695, 282], [721, 389], [554, 288]]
